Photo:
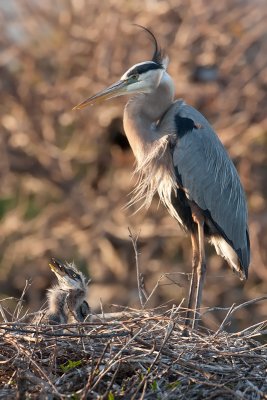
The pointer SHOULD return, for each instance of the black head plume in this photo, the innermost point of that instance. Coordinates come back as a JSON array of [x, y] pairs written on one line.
[[158, 55]]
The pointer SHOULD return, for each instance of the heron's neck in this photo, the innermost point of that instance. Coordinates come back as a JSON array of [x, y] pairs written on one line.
[[56, 300], [76, 297], [141, 114]]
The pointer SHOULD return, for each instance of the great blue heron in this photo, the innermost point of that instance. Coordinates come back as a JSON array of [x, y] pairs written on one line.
[[179, 156], [67, 298]]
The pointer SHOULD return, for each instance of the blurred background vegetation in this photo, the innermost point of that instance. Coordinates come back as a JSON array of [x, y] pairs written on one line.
[[66, 176]]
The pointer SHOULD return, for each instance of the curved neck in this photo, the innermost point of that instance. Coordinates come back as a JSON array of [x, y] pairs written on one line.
[[141, 114]]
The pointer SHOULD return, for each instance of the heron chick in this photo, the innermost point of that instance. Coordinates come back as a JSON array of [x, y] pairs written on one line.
[[180, 156], [67, 299]]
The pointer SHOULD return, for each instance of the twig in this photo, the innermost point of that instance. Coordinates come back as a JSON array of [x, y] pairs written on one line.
[[18, 307], [257, 330], [259, 392], [93, 372], [105, 395], [140, 282], [26, 353], [234, 308], [226, 319], [70, 335], [115, 358], [165, 275], [168, 332], [3, 313]]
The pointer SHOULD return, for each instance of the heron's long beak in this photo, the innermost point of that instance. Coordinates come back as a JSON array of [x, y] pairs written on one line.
[[57, 267], [117, 89]]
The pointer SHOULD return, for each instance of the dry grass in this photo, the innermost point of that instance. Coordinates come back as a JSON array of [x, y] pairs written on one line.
[[132, 354]]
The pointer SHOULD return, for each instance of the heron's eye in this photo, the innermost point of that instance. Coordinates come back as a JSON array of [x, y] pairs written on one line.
[[76, 276], [133, 78]]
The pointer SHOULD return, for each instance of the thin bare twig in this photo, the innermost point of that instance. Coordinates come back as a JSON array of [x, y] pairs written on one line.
[[140, 282], [19, 305]]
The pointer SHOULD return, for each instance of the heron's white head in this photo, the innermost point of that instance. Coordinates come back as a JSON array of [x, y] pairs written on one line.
[[143, 77], [68, 276], [140, 78]]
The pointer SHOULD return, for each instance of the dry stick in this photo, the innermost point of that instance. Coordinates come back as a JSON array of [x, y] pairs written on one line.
[[130, 387], [138, 314], [105, 395], [258, 391], [93, 371], [200, 367], [3, 313], [70, 335], [244, 352], [101, 307], [8, 361], [165, 275], [226, 319], [211, 309], [144, 293], [175, 310], [53, 359], [89, 380], [154, 288], [9, 383], [18, 307], [249, 302], [168, 332], [39, 369], [35, 380], [256, 331], [144, 390], [139, 283], [115, 358], [233, 309], [208, 383]]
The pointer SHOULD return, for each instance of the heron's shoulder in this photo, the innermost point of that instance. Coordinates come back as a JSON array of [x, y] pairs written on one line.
[[182, 118], [184, 110]]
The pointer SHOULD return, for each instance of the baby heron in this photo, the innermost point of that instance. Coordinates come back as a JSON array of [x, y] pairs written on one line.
[[66, 300]]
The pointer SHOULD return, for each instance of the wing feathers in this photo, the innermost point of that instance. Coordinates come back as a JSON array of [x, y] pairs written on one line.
[[210, 178]]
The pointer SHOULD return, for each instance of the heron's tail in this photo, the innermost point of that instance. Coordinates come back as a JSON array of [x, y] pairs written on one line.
[[226, 251]]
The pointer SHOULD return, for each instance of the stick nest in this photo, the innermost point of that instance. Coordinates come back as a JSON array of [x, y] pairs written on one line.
[[132, 355]]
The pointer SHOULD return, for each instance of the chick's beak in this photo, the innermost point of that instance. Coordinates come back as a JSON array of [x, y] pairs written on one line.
[[57, 267], [117, 89]]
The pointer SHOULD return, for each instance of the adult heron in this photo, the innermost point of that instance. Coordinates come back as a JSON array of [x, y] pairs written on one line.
[[179, 156]]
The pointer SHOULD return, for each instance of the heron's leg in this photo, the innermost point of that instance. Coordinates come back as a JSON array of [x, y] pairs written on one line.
[[193, 283], [201, 268]]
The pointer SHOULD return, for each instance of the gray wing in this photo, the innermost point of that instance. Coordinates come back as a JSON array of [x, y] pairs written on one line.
[[83, 311], [210, 178]]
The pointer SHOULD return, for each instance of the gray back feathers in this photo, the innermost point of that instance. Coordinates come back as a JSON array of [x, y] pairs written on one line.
[[211, 180]]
